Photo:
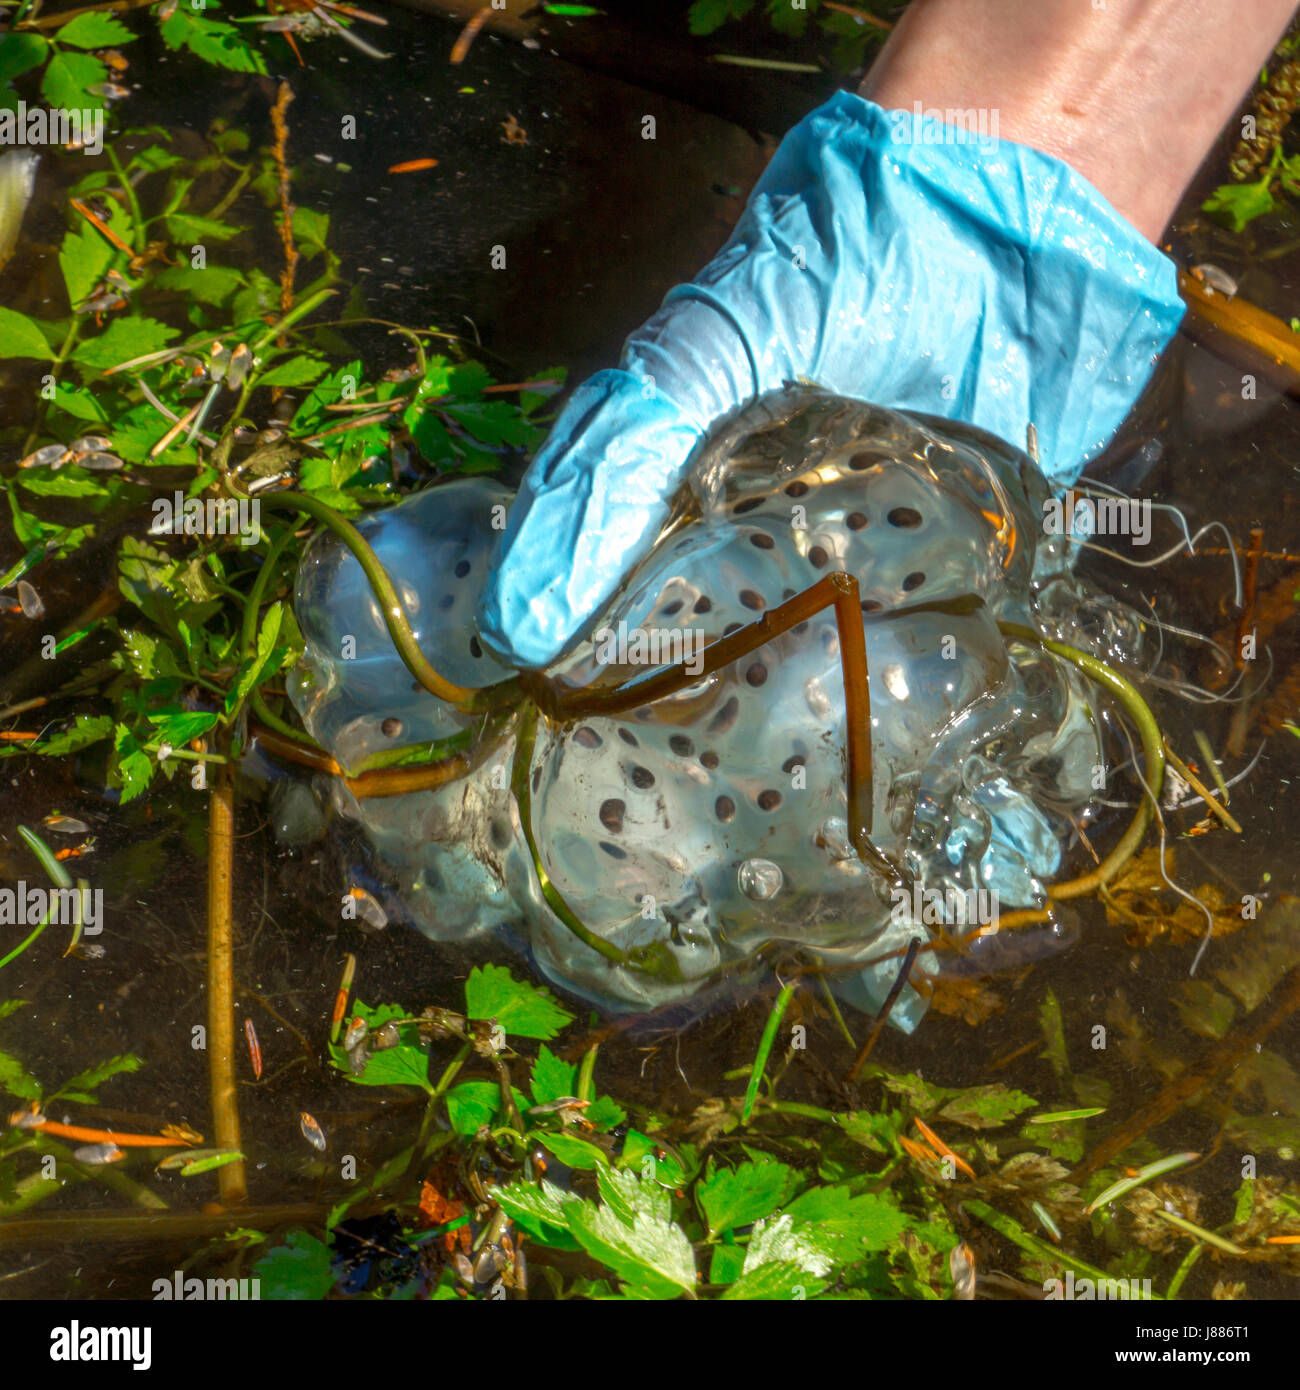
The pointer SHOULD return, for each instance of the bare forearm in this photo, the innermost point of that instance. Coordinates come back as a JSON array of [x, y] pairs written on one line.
[[1131, 95]]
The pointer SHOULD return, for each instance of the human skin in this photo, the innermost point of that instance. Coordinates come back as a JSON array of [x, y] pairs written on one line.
[[1131, 94]]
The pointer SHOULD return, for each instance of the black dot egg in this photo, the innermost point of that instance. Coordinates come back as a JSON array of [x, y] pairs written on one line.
[[750, 504], [391, 728], [769, 800], [724, 808], [681, 745], [611, 815], [641, 778], [462, 569], [905, 518], [913, 581], [752, 599]]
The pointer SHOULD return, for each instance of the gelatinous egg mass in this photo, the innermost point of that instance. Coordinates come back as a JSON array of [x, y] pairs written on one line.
[[691, 830]]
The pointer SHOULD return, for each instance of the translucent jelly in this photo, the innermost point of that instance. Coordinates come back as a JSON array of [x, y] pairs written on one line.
[[691, 830]]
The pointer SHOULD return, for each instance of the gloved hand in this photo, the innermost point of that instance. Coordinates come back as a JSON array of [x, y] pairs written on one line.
[[883, 256]]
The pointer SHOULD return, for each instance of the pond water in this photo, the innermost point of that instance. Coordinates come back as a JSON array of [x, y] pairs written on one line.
[[598, 223]]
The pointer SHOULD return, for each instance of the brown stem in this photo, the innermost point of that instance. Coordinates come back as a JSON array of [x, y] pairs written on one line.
[[64, 1228], [1235, 1046], [221, 984], [838, 591]]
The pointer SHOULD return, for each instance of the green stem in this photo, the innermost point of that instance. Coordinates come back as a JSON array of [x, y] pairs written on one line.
[[137, 217], [1137, 709], [522, 789], [56, 369], [395, 619], [765, 1049]]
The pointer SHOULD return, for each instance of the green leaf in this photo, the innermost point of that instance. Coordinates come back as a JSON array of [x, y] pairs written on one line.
[[20, 53], [150, 659], [123, 340], [131, 767], [20, 337], [179, 729], [212, 40], [66, 484], [214, 284], [782, 1240], [94, 31], [189, 229], [264, 663], [473, 1104], [298, 371], [604, 1113], [85, 256], [541, 1211], [653, 1255], [735, 1197], [705, 16], [863, 1223], [407, 1064], [986, 1107], [88, 729], [775, 1279], [490, 422], [527, 1011], [11, 1006], [95, 1076], [298, 1270], [15, 1079], [574, 1152], [79, 402], [1240, 203], [310, 230], [68, 78], [553, 1077]]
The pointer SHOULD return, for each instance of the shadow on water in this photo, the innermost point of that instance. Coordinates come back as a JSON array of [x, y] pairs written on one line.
[[597, 223]]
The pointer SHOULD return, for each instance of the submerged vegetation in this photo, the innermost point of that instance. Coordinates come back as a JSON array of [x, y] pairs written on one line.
[[174, 386]]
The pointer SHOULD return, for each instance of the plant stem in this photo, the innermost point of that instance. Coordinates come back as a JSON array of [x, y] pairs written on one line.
[[221, 991], [137, 217], [765, 1049]]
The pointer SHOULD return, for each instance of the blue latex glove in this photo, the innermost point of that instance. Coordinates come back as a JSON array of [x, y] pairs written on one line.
[[881, 259]]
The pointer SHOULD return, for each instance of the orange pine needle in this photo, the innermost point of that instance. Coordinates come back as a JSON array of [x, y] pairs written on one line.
[[919, 1152], [409, 166], [107, 1136], [17, 736], [942, 1147], [101, 226], [1283, 1240], [468, 34]]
